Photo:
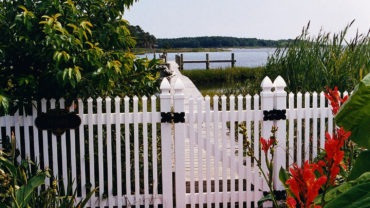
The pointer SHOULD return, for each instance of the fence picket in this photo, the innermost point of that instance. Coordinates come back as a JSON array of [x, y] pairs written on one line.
[[17, 121], [217, 152], [256, 123], [117, 108], [299, 129], [108, 103], [91, 149], [200, 151], [248, 159], [99, 107], [145, 149], [64, 150], [291, 128], [36, 142], [224, 153], [81, 132], [232, 149], [154, 151], [54, 147], [323, 114], [191, 151], [307, 126], [314, 127], [208, 150], [127, 146], [27, 138], [73, 151], [136, 154], [240, 152], [45, 143]]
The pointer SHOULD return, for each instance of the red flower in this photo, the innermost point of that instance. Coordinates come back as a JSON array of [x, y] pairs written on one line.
[[334, 154], [304, 185], [291, 202], [335, 100], [266, 144]]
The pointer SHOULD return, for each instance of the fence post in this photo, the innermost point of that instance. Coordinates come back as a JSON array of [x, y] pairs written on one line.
[[232, 60], [178, 102], [166, 143], [267, 103], [280, 151], [207, 61]]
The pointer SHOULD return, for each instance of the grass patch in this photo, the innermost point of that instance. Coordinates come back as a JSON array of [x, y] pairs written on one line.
[[238, 80]]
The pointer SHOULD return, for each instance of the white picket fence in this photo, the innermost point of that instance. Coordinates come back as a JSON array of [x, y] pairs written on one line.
[[133, 156]]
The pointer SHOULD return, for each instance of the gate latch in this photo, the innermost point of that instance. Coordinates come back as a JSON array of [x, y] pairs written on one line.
[[273, 115], [170, 117]]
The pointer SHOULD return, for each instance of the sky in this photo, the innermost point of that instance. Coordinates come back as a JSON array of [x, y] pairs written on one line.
[[264, 19]]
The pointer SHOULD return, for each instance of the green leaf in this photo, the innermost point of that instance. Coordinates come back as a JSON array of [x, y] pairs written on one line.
[[339, 190], [24, 192], [361, 165], [357, 197], [264, 199], [283, 176], [354, 115]]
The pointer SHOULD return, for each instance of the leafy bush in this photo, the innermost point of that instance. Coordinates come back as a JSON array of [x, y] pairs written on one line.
[[312, 63], [68, 49]]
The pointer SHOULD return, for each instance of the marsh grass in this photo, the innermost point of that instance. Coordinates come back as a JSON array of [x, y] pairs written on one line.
[[311, 63]]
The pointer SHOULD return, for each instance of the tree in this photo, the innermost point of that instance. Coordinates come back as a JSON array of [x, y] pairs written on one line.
[[70, 49]]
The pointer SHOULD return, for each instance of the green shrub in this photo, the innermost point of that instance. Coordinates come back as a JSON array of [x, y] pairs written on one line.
[[70, 49]]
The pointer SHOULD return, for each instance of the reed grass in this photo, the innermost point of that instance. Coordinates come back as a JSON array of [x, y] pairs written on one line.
[[311, 63]]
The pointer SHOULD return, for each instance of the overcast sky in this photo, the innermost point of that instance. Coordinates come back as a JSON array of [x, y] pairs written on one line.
[[265, 19]]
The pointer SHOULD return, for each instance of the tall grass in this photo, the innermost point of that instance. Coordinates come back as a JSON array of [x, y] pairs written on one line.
[[224, 78], [311, 63]]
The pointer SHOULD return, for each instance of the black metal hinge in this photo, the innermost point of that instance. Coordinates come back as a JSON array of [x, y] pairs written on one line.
[[170, 117], [273, 115]]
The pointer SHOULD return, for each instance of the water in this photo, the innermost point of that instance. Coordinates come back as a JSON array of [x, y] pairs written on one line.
[[245, 57]]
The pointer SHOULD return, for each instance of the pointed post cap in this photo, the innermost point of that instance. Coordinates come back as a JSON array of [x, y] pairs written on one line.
[[266, 84], [179, 85], [165, 85], [279, 83]]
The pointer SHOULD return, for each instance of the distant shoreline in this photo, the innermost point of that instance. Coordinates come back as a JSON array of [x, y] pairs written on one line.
[[141, 51]]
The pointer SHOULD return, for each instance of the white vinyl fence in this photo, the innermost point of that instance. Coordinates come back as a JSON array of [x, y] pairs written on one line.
[[138, 158]]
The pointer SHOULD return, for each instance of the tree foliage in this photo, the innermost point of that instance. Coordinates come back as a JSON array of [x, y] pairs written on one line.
[[143, 39], [70, 49]]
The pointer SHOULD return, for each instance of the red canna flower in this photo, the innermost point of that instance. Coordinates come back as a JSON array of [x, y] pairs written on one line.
[[334, 154], [291, 202], [335, 100], [266, 144], [304, 185]]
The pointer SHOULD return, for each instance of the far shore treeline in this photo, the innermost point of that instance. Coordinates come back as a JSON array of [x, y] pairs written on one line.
[[147, 40], [217, 42]]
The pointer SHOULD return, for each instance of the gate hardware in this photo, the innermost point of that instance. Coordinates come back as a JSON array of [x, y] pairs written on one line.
[[170, 117], [57, 121], [273, 115]]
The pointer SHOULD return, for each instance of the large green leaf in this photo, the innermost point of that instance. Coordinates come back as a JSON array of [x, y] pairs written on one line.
[[336, 192], [354, 115], [25, 191], [361, 165], [356, 197]]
